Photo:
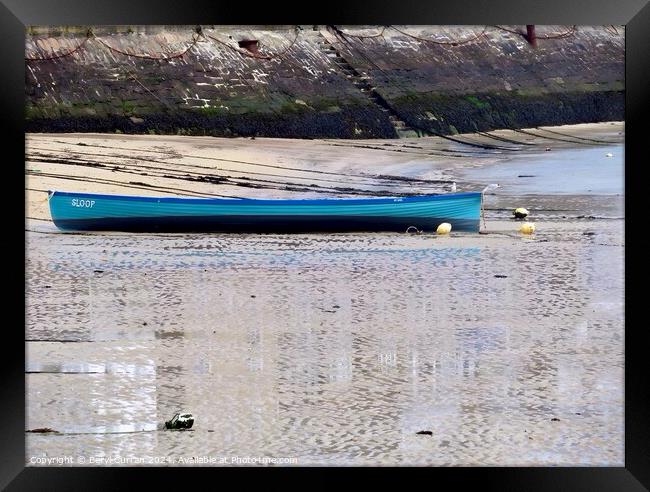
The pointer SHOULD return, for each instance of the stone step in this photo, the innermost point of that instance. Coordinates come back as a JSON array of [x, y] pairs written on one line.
[[362, 82], [408, 133]]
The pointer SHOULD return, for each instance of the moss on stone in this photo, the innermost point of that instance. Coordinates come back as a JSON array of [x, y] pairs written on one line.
[[127, 108], [513, 110], [477, 102]]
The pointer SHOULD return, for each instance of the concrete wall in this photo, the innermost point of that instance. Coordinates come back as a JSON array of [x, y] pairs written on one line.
[[498, 81]]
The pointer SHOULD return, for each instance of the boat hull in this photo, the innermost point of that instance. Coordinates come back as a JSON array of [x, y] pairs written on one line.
[[94, 212]]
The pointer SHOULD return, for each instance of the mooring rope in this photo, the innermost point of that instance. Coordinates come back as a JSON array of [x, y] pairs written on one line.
[[520, 33], [575, 136], [560, 35], [90, 34], [566, 34], [62, 55], [381, 34], [148, 56], [483, 211], [544, 137], [372, 65]]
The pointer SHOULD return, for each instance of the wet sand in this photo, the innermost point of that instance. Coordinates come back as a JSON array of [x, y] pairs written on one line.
[[332, 349]]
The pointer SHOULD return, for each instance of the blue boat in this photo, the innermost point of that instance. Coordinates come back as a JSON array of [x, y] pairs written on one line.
[[96, 212]]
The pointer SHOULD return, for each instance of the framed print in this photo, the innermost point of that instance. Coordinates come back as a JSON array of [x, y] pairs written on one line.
[[401, 238]]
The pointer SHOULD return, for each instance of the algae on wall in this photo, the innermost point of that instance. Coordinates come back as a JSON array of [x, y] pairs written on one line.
[[303, 90]]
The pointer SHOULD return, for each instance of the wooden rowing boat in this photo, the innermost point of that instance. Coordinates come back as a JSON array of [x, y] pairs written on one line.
[[88, 211]]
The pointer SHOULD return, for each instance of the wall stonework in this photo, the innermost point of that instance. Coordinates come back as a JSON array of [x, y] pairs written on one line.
[[496, 81]]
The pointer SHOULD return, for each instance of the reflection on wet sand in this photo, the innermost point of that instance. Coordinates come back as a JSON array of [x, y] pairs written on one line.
[[332, 349]]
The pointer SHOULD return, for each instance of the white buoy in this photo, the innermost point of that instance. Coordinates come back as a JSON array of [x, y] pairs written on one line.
[[520, 213], [444, 228], [609, 154], [527, 228]]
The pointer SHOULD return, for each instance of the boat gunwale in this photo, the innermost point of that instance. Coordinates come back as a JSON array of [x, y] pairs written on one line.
[[262, 201]]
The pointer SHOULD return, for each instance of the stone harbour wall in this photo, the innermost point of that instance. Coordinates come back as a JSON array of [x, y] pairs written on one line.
[[319, 81]]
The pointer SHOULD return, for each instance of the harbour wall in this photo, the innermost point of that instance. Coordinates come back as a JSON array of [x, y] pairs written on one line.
[[320, 81]]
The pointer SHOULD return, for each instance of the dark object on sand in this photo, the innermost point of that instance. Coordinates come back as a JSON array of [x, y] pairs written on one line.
[[43, 430], [180, 421], [425, 433], [520, 213]]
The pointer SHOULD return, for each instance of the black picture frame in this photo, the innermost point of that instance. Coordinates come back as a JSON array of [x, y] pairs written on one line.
[[634, 14]]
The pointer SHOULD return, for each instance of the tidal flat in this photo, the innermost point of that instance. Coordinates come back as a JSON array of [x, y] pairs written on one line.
[[331, 349]]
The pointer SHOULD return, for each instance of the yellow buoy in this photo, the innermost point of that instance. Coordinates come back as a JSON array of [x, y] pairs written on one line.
[[444, 228], [520, 213], [527, 228]]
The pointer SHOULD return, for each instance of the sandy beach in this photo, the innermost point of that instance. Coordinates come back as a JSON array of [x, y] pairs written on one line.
[[332, 349]]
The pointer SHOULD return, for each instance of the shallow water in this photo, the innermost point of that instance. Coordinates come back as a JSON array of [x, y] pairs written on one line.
[[585, 171]]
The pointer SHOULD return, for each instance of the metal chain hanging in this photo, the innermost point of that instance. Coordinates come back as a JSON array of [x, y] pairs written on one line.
[[444, 43]]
